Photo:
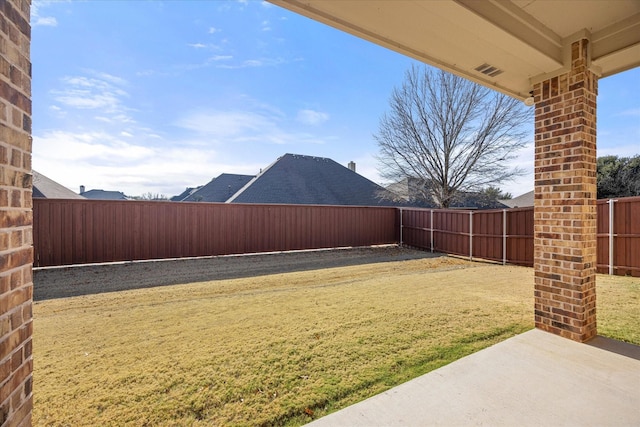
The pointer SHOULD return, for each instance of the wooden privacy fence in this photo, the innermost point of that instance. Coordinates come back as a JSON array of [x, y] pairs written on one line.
[[619, 236], [92, 231], [499, 235], [507, 235]]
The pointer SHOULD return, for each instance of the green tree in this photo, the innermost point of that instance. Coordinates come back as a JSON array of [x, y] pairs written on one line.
[[494, 193], [618, 176]]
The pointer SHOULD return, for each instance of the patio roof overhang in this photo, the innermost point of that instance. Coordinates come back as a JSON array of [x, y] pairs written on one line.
[[508, 45]]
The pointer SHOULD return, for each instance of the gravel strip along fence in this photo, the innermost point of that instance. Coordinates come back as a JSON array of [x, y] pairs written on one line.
[[62, 282]]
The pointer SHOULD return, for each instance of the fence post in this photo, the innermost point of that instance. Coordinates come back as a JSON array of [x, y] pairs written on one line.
[[611, 235], [401, 227], [431, 227], [471, 235], [504, 236]]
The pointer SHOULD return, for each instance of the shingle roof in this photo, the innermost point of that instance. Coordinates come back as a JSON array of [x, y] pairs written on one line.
[[476, 201], [410, 190], [104, 195], [186, 193], [522, 201], [219, 189], [46, 188], [413, 190], [297, 179]]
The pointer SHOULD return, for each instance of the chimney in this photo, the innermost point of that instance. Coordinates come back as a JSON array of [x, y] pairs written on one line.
[[81, 189], [352, 166]]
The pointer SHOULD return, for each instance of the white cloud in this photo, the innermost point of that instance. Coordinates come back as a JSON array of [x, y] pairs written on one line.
[[311, 117], [93, 147], [145, 73], [100, 160], [137, 159], [621, 150], [211, 61], [45, 21], [254, 63], [77, 99], [634, 112], [37, 19], [109, 78], [98, 92], [197, 45], [213, 30], [524, 161], [226, 124], [123, 118], [266, 26], [244, 127]]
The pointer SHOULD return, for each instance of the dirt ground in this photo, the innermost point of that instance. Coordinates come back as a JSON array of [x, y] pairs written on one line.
[[62, 282]]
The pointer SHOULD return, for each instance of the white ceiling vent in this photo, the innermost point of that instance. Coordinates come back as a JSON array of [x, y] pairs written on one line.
[[489, 70]]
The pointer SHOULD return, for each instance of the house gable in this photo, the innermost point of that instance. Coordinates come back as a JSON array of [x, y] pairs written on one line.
[[46, 188], [309, 180], [219, 189]]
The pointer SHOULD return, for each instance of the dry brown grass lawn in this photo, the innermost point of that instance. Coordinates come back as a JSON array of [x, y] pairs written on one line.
[[618, 307], [271, 350]]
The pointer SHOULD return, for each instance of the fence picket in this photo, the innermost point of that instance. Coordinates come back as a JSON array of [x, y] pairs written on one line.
[[89, 231]]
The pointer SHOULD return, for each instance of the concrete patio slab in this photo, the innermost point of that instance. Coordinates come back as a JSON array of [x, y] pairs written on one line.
[[533, 379]]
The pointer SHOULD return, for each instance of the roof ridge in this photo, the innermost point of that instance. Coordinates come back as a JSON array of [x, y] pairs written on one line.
[[49, 188], [254, 179], [233, 174], [306, 156]]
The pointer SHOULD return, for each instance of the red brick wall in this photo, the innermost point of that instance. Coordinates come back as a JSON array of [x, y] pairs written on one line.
[[565, 200], [15, 214]]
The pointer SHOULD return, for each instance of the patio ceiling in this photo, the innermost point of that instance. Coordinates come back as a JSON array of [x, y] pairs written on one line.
[[507, 45]]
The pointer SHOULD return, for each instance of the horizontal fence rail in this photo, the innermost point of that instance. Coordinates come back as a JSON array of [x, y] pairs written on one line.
[[93, 231], [619, 236], [507, 235], [499, 235]]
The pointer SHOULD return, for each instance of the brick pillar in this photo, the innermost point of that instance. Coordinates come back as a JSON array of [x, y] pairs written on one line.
[[16, 251], [565, 200]]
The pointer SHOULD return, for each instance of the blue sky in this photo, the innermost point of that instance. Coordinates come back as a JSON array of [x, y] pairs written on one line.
[[157, 96]]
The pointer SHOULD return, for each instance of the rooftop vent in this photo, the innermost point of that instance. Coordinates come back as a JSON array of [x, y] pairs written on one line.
[[489, 70]]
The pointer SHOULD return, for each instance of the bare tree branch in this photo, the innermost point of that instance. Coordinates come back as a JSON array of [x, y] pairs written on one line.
[[451, 134]]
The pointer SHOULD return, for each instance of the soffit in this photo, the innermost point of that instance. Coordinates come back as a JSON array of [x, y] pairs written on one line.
[[525, 39]]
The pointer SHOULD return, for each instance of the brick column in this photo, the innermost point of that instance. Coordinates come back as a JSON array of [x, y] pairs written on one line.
[[565, 200], [16, 251]]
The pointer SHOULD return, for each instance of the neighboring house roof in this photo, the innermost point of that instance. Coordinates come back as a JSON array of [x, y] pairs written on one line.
[[522, 201], [46, 188], [219, 189], [476, 201], [104, 195], [415, 192], [186, 193], [298, 179], [411, 190]]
